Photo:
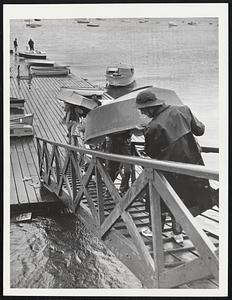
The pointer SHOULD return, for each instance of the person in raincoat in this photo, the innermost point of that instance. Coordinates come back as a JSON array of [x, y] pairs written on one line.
[[75, 121], [31, 44], [170, 136], [119, 143], [15, 45]]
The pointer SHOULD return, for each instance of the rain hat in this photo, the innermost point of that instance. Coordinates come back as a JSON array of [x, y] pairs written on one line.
[[147, 98]]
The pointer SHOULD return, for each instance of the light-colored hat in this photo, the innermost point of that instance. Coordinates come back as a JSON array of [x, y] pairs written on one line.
[[147, 98]]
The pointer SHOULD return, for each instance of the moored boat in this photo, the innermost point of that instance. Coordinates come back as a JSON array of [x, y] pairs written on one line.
[[39, 62], [83, 20], [93, 25], [119, 75], [55, 70], [172, 24], [33, 54]]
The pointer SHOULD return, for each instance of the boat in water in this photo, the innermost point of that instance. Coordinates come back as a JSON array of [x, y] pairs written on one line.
[[32, 24], [83, 21], [93, 25], [119, 75], [172, 24], [192, 23], [41, 63], [54, 70], [33, 54]]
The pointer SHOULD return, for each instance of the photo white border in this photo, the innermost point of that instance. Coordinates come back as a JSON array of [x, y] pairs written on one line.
[[154, 10]]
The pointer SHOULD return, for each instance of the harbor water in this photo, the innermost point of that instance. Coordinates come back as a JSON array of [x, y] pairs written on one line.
[[57, 251]]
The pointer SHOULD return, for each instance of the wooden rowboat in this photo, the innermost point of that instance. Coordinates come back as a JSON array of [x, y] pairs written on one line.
[[25, 119], [55, 70], [86, 92], [33, 54], [121, 115]]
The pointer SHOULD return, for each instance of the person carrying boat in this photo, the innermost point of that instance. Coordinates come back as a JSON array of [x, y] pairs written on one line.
[[15, 45], [31, 45], [170, 136], [119, 143]]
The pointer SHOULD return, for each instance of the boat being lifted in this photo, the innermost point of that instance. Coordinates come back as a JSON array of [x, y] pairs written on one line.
[[121, 114], [119, 75]]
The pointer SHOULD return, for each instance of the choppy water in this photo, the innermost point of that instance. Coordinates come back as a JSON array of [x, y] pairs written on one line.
[[57, 251]]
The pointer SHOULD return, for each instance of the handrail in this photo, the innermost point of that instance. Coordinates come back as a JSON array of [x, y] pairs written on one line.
[[84, 192], [167, 166], [203, 148]]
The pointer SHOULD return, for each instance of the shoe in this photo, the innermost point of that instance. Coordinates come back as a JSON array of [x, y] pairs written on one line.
[[146, 231], [178, 238]]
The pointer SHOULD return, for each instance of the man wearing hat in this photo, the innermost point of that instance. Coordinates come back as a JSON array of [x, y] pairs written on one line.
[[170, 136]]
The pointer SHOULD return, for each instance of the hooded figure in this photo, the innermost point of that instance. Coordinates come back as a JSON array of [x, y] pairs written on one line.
[[170, 136]]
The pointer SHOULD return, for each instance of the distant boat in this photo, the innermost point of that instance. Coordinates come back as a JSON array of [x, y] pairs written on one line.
[[192, 23], [143, 20], [37, 19], [93, 25], [83, 20], [119, 75], [55, 70], [32, 24], [33, 54], [171, 24]]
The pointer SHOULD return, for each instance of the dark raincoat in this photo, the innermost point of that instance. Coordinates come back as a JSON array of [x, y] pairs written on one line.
[[169, 136]]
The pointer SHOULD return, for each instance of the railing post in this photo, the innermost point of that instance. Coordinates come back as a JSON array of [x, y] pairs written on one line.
[[155, 216], [99, 195], [74, 176]]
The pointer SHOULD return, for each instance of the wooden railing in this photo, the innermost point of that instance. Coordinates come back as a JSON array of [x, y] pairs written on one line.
[[61, 173]]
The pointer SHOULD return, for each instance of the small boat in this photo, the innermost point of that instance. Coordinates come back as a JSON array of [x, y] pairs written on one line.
[[55, 70], [83, 21], [93, 25], [72, 97], [86, 92], [37, 19], [25, 119], [41, 63], [16, 102], [32, 24], [172, 24], [119, 75], [33, 54], [18, 129], [121, 114], [143, 20], [192, 23]]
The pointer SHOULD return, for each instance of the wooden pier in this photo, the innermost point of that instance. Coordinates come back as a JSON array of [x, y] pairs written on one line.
[[157, 261], [40, 95]]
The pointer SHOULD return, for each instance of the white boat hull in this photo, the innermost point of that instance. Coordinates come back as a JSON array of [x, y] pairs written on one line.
[[119, 80]]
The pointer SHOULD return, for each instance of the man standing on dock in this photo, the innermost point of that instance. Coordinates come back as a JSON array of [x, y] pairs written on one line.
[[31, 45], [15, 46], [169, 136]]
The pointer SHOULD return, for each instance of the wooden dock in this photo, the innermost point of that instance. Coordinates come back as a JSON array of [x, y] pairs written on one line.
[[26, 193], [40, 95]]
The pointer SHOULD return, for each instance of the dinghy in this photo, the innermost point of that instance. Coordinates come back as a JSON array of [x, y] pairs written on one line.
[[33, 54], [55, 70]]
